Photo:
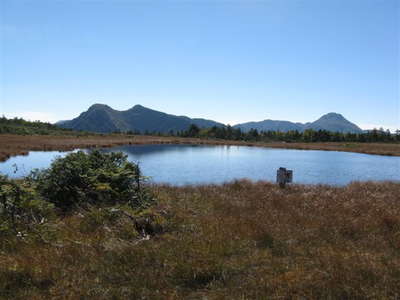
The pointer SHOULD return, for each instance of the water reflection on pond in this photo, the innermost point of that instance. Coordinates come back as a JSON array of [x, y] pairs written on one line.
[[194, 164]]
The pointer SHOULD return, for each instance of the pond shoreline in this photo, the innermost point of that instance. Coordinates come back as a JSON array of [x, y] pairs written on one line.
[[13, 145]]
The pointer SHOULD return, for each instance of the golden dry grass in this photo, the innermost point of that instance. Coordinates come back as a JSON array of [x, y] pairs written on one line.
[[11, 145], [390, 149], [240, 240]]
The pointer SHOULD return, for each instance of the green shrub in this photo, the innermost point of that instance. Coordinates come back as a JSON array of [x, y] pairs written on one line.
[[96, 218], [92, 178], [20, 207]]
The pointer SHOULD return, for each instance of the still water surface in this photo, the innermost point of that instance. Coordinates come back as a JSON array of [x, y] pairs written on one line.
[[189, 164]]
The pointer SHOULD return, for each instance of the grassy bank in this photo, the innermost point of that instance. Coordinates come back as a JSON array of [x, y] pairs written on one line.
[[241, 240], [11, 145]]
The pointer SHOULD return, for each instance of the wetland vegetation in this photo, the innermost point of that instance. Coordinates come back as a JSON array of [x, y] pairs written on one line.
[[76, 232]]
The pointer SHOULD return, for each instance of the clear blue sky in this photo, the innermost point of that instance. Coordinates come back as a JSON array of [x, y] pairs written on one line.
[[231, 61]]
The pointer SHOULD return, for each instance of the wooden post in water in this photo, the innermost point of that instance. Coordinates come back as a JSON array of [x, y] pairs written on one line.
[[284, 176]]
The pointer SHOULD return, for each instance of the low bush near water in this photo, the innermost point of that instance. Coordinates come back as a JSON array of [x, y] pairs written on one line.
[[91, 178], [78, 181]]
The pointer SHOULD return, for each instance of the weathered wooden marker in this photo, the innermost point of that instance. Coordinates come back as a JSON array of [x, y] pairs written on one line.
[[284, 176]]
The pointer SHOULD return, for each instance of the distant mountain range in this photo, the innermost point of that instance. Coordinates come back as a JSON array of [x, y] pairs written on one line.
[[102, 118], [331, 122]]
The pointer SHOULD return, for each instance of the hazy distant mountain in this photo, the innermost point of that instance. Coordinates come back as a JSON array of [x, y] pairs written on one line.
[[61, 122], [270, 125], [102, 118], [331, 122]]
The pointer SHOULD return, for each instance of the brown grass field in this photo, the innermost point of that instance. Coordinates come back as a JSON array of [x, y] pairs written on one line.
[[240, 240], [11, 145]]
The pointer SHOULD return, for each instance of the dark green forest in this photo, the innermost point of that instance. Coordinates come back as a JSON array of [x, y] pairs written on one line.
[[308, 136], [23, 127]]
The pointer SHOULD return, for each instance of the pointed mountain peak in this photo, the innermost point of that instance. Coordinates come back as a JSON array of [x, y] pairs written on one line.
[[334, 122]]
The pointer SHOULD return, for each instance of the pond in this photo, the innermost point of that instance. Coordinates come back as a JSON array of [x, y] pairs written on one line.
[[198, 164]]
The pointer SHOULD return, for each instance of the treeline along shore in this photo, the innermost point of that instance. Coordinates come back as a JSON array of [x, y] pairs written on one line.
[[90, 227], [18, 137]]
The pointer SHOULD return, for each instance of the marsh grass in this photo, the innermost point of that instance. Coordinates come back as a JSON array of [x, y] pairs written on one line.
[[240, 240], [11, 145]]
